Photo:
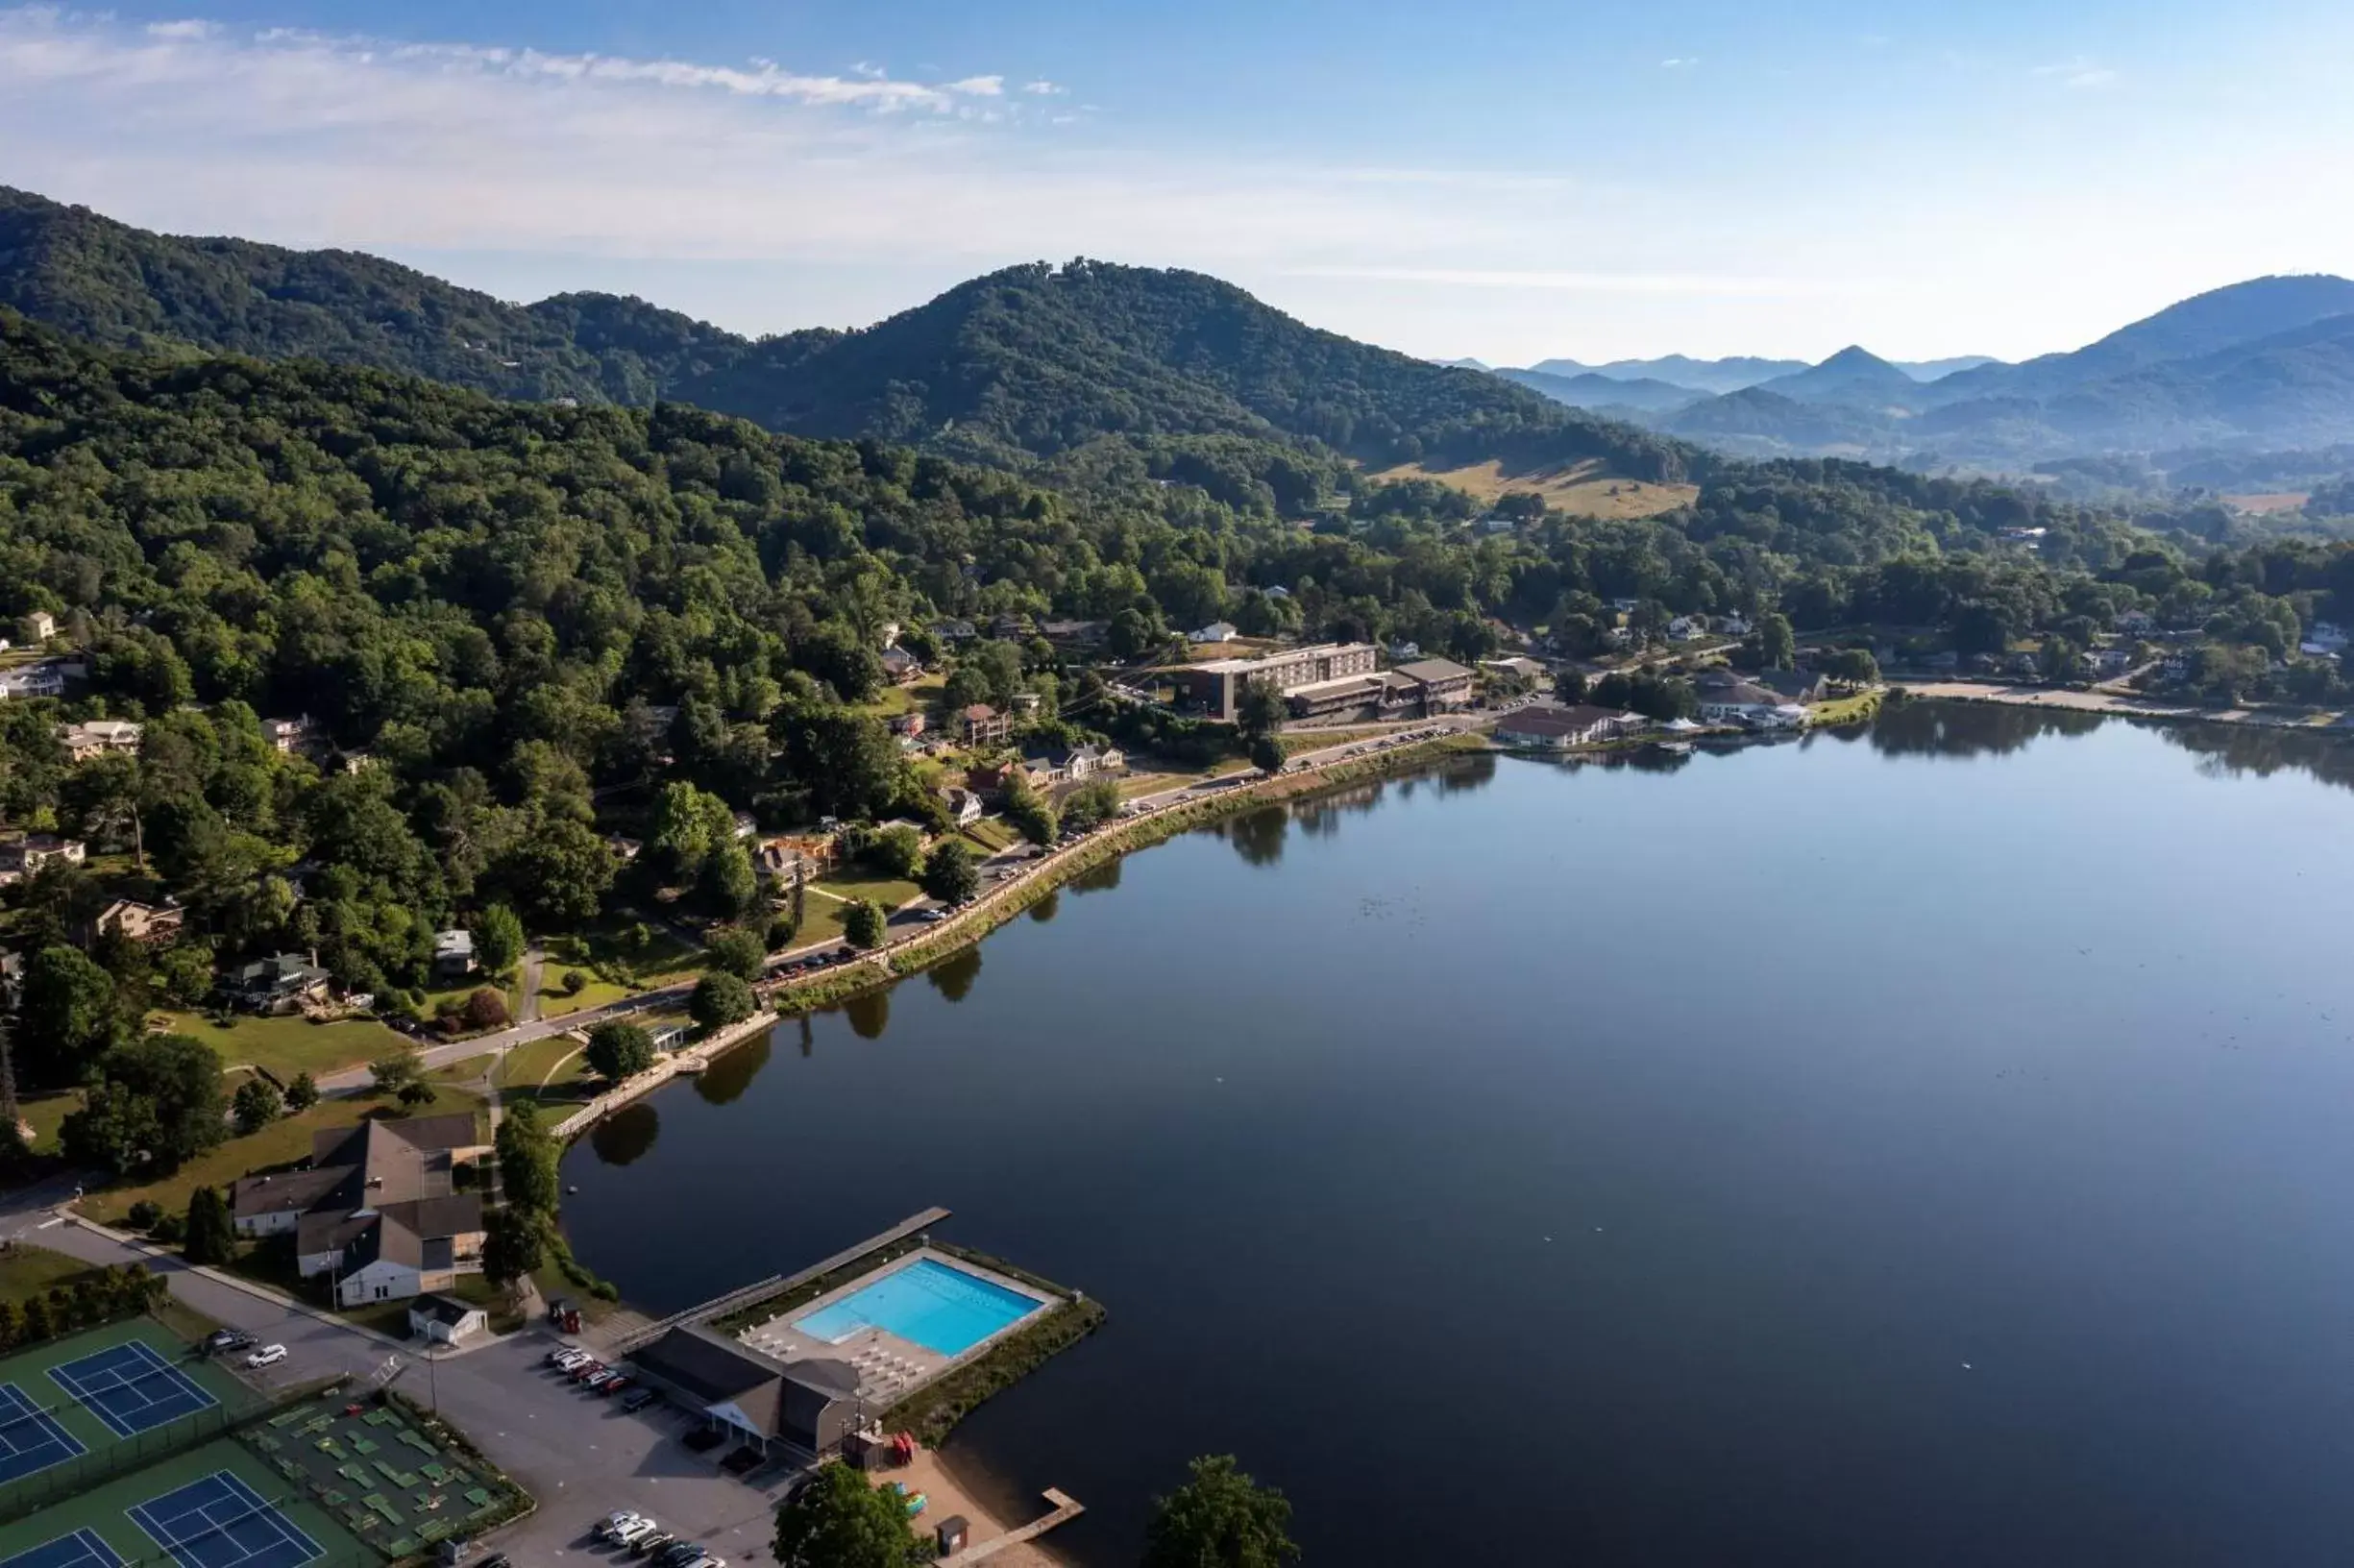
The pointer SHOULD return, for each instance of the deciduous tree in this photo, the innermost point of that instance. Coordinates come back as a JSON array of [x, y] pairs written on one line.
[[618, 1050], [1220, 1518]]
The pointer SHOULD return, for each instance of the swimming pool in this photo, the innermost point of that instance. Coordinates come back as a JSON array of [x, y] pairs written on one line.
[[944, 1310]]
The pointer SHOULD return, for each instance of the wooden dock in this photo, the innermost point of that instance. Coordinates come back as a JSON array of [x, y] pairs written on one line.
[[1065, 1508]]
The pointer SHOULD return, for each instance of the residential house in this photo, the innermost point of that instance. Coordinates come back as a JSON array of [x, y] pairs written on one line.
[[98, 737], [1685, 628], [622, 847], [1009, 627], [1278, 591], [984, 725], [29, 852], [954, 631], [39, 627], [147, 923], [1073, 765], [439, 1319], [286, 735], [2138, 623], [1216, 631], [377, 1209], [996, 779], [796, 857], [1025, 703], [909, 723], [453, 955], [28, 681], [1498, 523], [1552, 726], [282, 983], [2111, 662], [1075, 634], [964, 805], [1519, 668], [2324, 640], [901, 666], [1734, 626], [1402, 651], [744, 825], [804, 1406]]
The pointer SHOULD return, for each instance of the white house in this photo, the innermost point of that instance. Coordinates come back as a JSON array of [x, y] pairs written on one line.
[[440, 1320], [1216, 631], [964, 807], [1727, 699], [2325, 640], [98, 737], [39, 627], [1686, 628], [286, 734]]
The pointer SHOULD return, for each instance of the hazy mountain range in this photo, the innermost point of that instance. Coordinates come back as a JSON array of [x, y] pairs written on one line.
[[2259, 366]]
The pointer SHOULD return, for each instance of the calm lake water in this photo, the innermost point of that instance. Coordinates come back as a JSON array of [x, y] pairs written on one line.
[[1930, 1144]]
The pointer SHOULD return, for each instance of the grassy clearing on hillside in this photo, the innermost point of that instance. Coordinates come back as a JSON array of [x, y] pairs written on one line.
[[289, 1045], [1581, 489], [992, 834]]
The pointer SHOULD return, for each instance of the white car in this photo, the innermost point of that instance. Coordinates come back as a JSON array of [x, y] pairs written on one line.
[[266, 1356], [613, 1524], [630, 1534]]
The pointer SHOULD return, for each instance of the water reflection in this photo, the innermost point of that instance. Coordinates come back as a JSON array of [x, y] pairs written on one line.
[[869, 1013], [1049, 907], [1473, 772], [1257, 836], [1974, 729], [727, 1078], [1098, 878], [953, 976], [628, 1135]]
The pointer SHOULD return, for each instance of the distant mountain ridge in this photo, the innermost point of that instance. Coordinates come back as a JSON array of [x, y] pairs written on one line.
[[2263, 365], [1021, 364]]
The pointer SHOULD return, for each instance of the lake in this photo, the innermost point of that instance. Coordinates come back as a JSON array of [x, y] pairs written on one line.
[[1931, 1143]]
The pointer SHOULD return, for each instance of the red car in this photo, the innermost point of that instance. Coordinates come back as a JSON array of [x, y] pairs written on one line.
[[620, 1381], [586, 1370]]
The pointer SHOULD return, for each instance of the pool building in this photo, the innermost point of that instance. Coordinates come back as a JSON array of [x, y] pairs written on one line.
[[809, 1377]]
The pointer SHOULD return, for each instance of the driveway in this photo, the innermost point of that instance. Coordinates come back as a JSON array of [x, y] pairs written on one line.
[[581, 1457]]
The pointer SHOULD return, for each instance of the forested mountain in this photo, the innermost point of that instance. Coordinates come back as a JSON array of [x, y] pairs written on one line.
[[1591, 390], [1854, 375], [1027, 362]]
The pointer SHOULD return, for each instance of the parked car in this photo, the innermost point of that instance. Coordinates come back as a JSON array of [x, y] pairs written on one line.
[[631, 1534], [648, 1544], [639, 1398], [266, 1356], [599, 1379], [678, 1553], [564, 1360], [618, 1524], [223, 1340], [621, 1381]]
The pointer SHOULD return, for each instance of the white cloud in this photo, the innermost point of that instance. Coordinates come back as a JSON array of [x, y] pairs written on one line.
[[978, 87], [2079, 73], [188, 29], [1678, 62], [1045, 88]]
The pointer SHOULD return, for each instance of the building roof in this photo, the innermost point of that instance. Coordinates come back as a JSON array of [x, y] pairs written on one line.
[[980, 712], [281, 971], [441, 1310], [286, 1192], [456, 943], [708, 1364], [1432, 672], [1792, 682], [1741, 694]]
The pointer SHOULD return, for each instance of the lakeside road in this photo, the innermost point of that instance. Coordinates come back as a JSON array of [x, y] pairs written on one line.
[[2110, 700], [1001, 871]]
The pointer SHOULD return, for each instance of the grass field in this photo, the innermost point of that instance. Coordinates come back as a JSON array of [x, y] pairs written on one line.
[[282, 1143], [27, 1271], [286, 1046], [1580, 489], [992, 834], [887, 891], [1295, 742], [552, 1069], [47, 1113], [105, 1510], [603, 946]]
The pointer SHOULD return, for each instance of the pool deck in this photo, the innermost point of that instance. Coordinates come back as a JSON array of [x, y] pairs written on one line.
[[889, 1368]]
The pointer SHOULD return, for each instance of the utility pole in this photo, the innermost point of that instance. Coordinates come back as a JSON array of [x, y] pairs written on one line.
[[8, 1113]]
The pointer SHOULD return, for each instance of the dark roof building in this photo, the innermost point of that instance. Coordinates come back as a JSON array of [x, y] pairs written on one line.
[[380, 1192], [809, 1405]]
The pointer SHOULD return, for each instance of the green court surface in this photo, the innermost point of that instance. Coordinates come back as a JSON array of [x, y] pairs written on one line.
[[380, 1471], [105, 1510], [173, 1393]]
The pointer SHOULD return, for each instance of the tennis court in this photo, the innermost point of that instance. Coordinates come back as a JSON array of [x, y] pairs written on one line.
[[82, 1549], [220, 1522], [131, 1387], [216, 1505], [30, 1436]]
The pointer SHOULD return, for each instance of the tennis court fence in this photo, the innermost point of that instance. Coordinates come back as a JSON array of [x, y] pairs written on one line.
[[30, 1494]]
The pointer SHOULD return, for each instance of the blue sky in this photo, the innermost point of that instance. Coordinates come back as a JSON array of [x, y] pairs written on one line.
[[1506, 180]]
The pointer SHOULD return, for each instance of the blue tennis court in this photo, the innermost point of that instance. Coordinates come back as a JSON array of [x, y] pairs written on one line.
[[82, 1549], [30, 1436], [220, 1522], [131, 1388]]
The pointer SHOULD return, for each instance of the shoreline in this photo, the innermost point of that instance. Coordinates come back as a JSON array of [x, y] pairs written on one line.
[[2117, 706]]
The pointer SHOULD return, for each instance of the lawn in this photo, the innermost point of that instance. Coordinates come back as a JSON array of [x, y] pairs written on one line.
[[545, 1070], [887, 891], [285, 1142], [467, 1070], [28, 1271], [992, 834], [553, 1003], [47, 1113], [605, 947], [286, 1046], [1581, 489], [1296, 741]]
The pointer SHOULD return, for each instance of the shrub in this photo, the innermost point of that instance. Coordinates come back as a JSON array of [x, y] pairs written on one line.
[[574, 982]]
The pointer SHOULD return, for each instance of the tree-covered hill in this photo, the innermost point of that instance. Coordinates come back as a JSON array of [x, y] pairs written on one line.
[[1026, 362]]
